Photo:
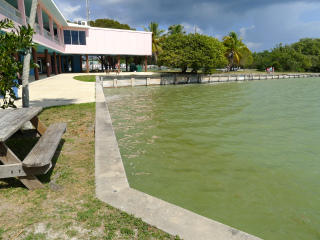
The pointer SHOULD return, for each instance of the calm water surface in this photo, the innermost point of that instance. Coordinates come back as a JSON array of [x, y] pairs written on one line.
[[244, 154]]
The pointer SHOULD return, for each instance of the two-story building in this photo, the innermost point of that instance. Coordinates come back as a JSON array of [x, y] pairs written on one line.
[[64, 46]]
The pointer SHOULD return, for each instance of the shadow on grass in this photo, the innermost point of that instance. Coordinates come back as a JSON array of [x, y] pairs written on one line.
[[21, 147], [58, 101]]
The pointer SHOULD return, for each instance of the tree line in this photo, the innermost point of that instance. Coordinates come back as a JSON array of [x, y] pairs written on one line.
[[176, 49], [302, 56], [109, 23]]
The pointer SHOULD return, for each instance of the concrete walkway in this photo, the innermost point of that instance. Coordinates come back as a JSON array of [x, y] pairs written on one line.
[[61, 89]]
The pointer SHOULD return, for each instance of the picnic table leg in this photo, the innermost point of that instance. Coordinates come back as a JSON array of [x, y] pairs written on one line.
[[31, 182], [38, 124], [8, 157]]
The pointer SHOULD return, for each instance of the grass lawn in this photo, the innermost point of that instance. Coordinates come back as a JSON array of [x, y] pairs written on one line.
[[66, 208], [86, 78]]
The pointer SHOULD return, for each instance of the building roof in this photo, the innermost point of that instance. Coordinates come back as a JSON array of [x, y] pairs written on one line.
[[52, 7]]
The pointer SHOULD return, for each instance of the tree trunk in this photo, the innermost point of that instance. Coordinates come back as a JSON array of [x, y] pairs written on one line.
[[26, 61], [101, 61], [231, 61], [184, 70], [156, 58], [104, 62]]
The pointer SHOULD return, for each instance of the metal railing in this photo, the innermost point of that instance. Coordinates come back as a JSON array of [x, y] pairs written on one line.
[[37, 27], [10, 12], [47, 34], [56, 40]]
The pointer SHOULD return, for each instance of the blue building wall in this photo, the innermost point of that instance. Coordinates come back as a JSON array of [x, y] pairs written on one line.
[[31, 69], [76, 63], [62, 64]]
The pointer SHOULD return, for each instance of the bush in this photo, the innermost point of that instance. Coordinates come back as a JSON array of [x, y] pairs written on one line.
[[194, 51], [18, 40]]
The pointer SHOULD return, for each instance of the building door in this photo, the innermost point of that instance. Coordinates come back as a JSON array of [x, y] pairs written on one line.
[[67, 62], [40, 66]]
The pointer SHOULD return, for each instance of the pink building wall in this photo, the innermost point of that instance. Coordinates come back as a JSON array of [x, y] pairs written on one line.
[[112, 42], [47, 43]]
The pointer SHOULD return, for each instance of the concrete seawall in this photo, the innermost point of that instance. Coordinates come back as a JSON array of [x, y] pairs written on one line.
[[110, 81], [112, 187]]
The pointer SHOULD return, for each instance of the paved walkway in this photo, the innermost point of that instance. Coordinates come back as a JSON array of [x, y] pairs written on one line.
[[60, 89]]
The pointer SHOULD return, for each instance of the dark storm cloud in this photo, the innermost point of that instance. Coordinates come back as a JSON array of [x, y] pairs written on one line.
[[175, 11], [262, 23]]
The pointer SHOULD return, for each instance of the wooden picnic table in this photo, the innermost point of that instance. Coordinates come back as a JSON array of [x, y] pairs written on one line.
[[38, 161]]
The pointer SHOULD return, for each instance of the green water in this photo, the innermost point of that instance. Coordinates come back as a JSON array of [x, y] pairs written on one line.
[[244, 154]]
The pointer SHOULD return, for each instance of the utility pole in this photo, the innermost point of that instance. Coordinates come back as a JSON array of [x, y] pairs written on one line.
[[26, 61], [88, 11], [195, 29]]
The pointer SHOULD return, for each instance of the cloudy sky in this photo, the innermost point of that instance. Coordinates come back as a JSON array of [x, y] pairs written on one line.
[[262, 24]]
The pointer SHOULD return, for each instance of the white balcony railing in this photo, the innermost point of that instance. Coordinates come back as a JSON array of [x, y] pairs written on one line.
[[56, 40], [37, 27], [47, 34], [10, 12]]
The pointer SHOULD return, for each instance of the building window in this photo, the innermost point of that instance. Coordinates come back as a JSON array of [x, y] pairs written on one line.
[[67, 37], [74, 37], [82, 38]]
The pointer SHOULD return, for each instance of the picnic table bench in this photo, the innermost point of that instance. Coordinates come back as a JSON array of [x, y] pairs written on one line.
[[38, 161]]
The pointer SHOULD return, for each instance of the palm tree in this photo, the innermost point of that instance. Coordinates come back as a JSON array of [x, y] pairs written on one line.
[[176, 29], [157, 38], [235, 49]]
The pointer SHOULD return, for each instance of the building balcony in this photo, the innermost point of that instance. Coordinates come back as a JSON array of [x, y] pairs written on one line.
[[37, 27], [10, 12], [47, 34], [14, 14], [56, 40]]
